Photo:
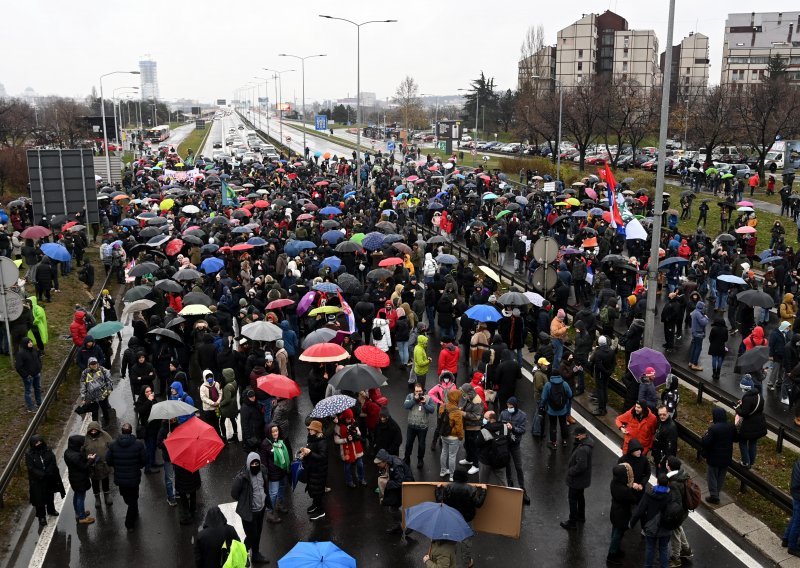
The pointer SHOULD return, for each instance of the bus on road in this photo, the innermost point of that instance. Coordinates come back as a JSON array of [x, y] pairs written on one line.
[[157, 134]]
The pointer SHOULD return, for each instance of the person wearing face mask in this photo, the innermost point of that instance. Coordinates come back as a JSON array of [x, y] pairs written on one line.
[[315, 462], [44, 479], [250, 491], [517, 423], [147, 430], [210, 396], [96, 442]]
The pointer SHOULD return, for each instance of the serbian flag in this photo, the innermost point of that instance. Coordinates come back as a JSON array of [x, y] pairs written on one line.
[[616, 218], [351, 318]]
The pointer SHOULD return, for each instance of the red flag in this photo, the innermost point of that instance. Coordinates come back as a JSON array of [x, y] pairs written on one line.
[[608, 176]]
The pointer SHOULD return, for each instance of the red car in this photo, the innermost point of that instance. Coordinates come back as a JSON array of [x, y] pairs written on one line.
[[596, 160]]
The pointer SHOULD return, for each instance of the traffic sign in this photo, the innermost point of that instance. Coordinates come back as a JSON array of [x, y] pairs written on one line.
[[442, 146], [545, 250], [390, 145], [320, 122], [13, 303], [9, 273], [474, 152], [200, 124]]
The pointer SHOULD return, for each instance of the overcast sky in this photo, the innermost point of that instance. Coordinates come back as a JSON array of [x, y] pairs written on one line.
[[206, 49]]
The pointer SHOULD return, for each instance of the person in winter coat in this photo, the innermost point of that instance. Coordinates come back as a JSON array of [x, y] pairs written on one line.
[[79, 466], [77, 329], [639, 423], [347, 436], [442, 554], [141, 374], [44, 479], [177, 393], [755, 339], [252, 422], [750, 419], [647, 391], [147, 430], [127, 456], [381, 334], [402, 333], [665, 442], [639, 465], [452, 418], [422, 361], [388, 435], [717, 346], [187, 484], [215, 534], [28, 364], [228, 407], [210, 397], [698, 329], [96, 442], [90, 349], [276, 455], [449, 356], [315, 462], [249, 490], [45, 277], [579, 477], [517, 423], [791, 536], [472, 415], [603, 361], [677, 483], [650, 507], [623, 498], [558, 333], [718, 452], [788, 309], [96, 387], [392, 473], [555, 398], [506, 376]]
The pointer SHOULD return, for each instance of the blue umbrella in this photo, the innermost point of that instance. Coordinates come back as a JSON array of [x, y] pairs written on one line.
[[129, 222], [256, 241], [446, 259], [483, 312], [332, 406], [389, 212], [297, 470], [241, 230], [56, 252], [293, 248], [212, 265], [596, 211], [672, 260], [765, 254], [440, 194], [317, 154], [435, 206], [333, 236], [731, 279], [327, 287], [437, 521], [330, 210], [332, 262], [771, 259], [392, 238], [373, 241], [460, 176], [316, 555], [349, 194], [488, 196]]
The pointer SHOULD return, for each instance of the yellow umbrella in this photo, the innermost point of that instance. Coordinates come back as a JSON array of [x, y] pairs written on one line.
[[573, 201], [179, 165], [195, 310], [560, 203], [167, 204], [325, 310], [413, 202], [490, 273]]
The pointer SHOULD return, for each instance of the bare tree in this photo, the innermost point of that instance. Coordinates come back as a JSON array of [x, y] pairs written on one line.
[[409, 106], [64, 123], [613, 117], [642, 109], [17, 122], [582, 115], [709, 119], [533, 61], [544, 122]]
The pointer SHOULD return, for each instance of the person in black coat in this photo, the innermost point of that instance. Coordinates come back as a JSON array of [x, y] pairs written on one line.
[[44, 479], [579, 477], [671, 317], [718, 452], [753, 425], [28, 364], [364, 312], [252, 422], [315, 462], [623, 498], [653, 504], [717, 340], [388, 435], [44, 279], [506, 377], [276, 449], [215, 534], [395, 472], [186, 485], [127, 456], [79, 467], [249, 489], [147, 430], [640, 466]]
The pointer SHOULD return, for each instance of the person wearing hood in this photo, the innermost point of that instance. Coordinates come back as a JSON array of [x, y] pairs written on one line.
[[250, 491], [429, 268], [679, 545], [141, 374], [96, 387], [556, 397], [506, 376], [39, 332], [28, 364], [44, 479], [276, 454], [422, 362], [639, 463], [45, 277], [512, 329], [215, 536], [176, 392], [402, 333], [638, 423], [90, 349], [147, 430], [647, 390], [717, 346], [699, 321], [228, 407], [315, 462], [755, 339], [438, 394], [578, 478], [77, 329], [516, 422], [623, 498], [649, 512], [448, 357], [450, 428], [472, 415], [779, 344], [127, 456], [392, 473], [750, 420], [97, 442], [347, 436], [79, 465], [210, 397], [387, 435]]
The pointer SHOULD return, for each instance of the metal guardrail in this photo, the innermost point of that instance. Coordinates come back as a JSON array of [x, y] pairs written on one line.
[[41, 414], [265, 137]]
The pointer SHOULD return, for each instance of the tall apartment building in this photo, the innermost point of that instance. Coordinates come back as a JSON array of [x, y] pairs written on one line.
[[752, 38], [690, 65], [148, 70], [538, 70]]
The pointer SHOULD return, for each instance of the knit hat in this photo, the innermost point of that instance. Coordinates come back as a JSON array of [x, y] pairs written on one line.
[[542, 362], [580, 430], [561, 314], [268, 357], [315, 426], [512, 400], [92, 360], [602, 340], [747, 383], [492, 298], [279, 344], [784, 326], [650, 372]]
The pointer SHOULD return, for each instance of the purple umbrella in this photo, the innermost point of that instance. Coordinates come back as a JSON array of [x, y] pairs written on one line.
[[305, 302], [646, 357], [569, 251]]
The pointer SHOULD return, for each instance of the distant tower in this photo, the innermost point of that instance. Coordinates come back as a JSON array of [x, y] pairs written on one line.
[[149, 76], [2, 91]]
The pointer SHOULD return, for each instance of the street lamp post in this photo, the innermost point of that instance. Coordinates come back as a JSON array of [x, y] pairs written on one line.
[[686, 126], [278, 94], [266, 96], [435, 116], [358, 79], [103, 117], [115, 104], [303, 73]]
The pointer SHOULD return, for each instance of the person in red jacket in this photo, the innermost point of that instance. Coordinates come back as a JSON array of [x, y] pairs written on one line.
[[77, 328], [638, 423], [448, 357]]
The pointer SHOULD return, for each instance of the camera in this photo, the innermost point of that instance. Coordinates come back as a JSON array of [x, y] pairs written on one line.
[[352, 430]]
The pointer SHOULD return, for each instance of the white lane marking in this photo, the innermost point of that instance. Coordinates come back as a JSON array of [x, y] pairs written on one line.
[[229, 510], [701, 522]]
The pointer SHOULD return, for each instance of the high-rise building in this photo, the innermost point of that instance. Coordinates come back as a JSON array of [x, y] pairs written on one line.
[[538, 69], [752, 38], [148, 70], [690, 64]]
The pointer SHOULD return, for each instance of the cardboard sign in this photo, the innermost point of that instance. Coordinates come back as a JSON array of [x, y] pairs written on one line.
[[501, 512]]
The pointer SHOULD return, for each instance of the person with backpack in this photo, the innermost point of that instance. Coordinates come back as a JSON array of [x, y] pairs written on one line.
[[555, 398], [651, 511], [718, 452], [689, 493], [665, 442], [579, 477], [450, 428], [494, 454]]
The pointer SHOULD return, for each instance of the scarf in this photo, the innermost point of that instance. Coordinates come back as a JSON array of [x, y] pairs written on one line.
[[280, 455]]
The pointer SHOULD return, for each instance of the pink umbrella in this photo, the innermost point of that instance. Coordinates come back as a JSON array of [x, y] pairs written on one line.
[[591, 193], [745, 204], [746, 230], [412, 178]]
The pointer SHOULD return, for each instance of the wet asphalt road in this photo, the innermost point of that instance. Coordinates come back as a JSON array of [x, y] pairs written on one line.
[[355, 520]]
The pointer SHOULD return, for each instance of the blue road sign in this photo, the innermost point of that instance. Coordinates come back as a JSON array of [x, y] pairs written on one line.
[[390, 146], [320, 122]]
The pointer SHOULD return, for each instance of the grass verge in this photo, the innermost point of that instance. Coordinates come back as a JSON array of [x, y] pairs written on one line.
[[195, 140]]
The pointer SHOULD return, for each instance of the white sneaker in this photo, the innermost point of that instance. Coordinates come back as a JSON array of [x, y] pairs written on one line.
[[465, 462], [473, 470], [785, 401]]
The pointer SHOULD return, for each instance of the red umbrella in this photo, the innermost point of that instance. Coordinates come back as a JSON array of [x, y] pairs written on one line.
[[310, 207], [292, 176], [261, 204], [241, 246], [277, 304], [173, 247], [305, 217], [193, 444], [372, 356], [244, 212], [321, 183], [391, 261], [280, 171], [278, 385], [324, 353], [35, 232], [248, 206], [69, 225], [224, 250]]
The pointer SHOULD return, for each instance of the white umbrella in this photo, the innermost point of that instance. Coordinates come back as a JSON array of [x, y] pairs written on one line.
[[262, 331], [634, 230], [138, 306], [191, 209], [536, 299]]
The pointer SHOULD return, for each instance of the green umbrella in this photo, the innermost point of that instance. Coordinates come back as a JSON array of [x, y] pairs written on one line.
[[727, 176], [502, 214], [358, 238], [106, 329], [711, 171]]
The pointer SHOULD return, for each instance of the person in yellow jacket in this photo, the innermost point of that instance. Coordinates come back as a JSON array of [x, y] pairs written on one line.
[[788, 309], [39, 331]]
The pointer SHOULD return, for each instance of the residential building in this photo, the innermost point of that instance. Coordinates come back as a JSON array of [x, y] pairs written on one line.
[[148, 70], [752, 38], [690, 65], [635, 57], [538, 70]]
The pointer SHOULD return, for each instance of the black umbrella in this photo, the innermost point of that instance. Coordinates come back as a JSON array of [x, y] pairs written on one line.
[[192, 240], [350, 284], [165, 333], [755, 298], [177, 320], [752, 360], [437, 239], [615, 258], [157, 221], [186, 274], [348, 246], [514, 298], [357, 377], [136, 293], [169, 286], [726, 238], [143, 269], [197, 298], [378, 274], [149, 232], [727, 204]]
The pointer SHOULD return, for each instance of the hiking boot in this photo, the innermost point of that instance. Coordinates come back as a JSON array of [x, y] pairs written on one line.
[[687, 553], [273, 518], [525, 498], [420, 464], [712, 500], [674, 562]]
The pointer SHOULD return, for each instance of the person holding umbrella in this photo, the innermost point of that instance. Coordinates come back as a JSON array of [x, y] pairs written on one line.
[[315, 462], [250, 491]]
